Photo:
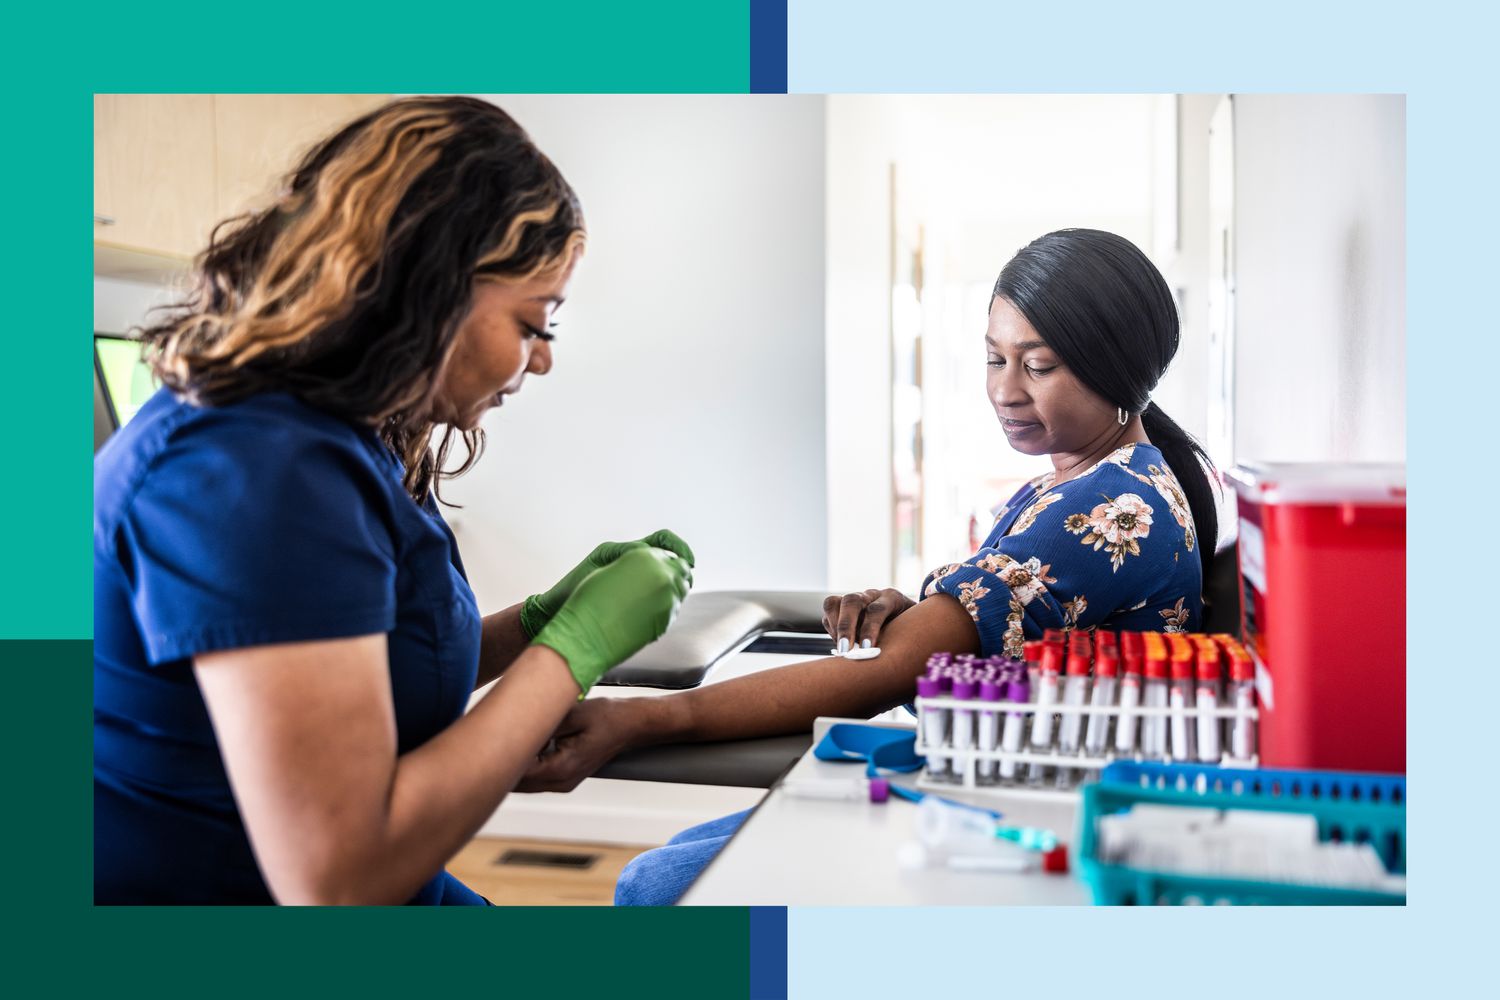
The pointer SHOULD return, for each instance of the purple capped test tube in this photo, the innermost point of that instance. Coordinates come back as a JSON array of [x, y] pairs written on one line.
[[934, 723], [990, 691], [1018, 691], [964, 691]]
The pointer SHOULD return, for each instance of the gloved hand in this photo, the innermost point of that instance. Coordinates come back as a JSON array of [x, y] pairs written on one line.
[[616, 610], [538, 609]]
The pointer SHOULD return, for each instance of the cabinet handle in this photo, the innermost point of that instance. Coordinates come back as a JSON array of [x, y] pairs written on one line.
[[103, 220]]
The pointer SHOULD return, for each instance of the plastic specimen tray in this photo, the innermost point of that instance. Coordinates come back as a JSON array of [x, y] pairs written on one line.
[[1349, 806]]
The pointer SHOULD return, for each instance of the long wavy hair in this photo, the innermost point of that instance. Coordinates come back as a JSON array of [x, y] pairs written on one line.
[[1100, 303], [348, 289]]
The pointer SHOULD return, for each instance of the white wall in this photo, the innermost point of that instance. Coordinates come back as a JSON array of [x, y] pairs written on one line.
[[984, 174], [1320, 323], [120, 305], [863, 140], [1183, 391], [688, 386]]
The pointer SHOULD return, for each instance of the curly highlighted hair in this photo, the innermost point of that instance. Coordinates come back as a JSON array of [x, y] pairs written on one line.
[[349, 288]]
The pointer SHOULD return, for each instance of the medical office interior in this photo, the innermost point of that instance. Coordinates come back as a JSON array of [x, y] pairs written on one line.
[[774, 347]]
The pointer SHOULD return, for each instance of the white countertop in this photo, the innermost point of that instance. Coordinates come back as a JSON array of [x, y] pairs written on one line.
[[810, 852]]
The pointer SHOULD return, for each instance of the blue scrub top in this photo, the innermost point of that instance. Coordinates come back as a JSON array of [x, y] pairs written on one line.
[[264, 521]]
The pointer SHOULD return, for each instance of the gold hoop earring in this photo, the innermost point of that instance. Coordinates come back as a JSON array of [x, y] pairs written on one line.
[[1121, 416]]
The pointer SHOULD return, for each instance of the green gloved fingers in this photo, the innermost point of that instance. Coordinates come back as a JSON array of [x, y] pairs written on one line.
[[616, 610], [534, 615], [539, 608], [665, 539]]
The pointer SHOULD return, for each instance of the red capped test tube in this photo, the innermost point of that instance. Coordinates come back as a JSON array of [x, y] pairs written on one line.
[[1075, 694], [1047, 693], [1210, 690], [1183, 739], [1154, 727], [1106, 669], [1242, 697], [1128, 721]]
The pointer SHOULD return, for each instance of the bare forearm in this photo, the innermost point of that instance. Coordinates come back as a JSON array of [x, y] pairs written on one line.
[[442, 792], [501, 640], [788, 699]]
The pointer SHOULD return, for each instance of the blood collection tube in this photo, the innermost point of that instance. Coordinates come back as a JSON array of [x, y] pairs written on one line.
[[1128, 720], [1106, 667], [1052, 635], [1033, 656], [1154, 695], [990, 690], [1209, 689], [1070, 731], [964, 690], [1242, 696], [1183, 736], [1046, 697], [934, 725], [1018, 690]]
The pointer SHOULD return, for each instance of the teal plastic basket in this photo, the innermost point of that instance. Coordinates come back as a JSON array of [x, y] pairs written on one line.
[[1349, 806]]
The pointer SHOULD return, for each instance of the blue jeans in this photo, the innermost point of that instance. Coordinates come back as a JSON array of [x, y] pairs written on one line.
[[660, 876]]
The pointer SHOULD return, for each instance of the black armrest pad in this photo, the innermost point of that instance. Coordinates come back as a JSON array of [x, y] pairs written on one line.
[[742, 763], [712, 625]]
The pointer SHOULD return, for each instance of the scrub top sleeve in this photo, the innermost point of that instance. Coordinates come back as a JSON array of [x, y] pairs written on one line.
[[255, 535], [1075, 555]]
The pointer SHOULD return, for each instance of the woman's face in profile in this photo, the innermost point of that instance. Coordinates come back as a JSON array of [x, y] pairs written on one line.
[[1042, 406], [504, 338]]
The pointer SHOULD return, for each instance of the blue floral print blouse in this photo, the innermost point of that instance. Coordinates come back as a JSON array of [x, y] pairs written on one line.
[[1114, 547]]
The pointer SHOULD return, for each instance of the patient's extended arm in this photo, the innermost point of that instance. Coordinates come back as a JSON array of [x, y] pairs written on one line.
[[768, 703]]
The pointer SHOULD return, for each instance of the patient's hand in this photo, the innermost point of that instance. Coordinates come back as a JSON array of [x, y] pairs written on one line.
[[858, 618], [589, 736]]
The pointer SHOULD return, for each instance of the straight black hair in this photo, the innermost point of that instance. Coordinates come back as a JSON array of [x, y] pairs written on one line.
[[1107, 312]]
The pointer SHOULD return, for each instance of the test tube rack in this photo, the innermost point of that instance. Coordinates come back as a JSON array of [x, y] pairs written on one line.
[[961, 766]]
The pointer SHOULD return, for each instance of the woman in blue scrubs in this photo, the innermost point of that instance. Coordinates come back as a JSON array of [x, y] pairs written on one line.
[[285, 640]]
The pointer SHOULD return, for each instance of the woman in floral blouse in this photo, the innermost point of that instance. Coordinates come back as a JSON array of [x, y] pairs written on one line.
[[1120, 533]]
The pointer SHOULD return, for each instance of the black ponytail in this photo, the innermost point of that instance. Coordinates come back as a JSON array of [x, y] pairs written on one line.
[[1107, 312], [1194, 470]]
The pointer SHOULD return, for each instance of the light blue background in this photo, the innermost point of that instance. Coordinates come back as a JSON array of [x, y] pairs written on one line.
[[1442, 55]]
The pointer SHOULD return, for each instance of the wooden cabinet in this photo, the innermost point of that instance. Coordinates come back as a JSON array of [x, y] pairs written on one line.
[[169, 167], [259, 137], [154, 181]]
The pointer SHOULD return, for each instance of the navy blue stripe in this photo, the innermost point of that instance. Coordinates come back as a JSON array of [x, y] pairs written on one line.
[[768, 949], [768, 46]]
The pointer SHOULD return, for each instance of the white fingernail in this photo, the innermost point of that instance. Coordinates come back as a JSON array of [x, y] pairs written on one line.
[[865, 644], [843, 646]]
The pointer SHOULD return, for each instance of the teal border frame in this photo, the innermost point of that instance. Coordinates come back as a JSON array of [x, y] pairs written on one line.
[[58, 58]]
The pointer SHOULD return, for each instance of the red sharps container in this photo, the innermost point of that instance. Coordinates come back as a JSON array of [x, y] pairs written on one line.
[[1322, 560]]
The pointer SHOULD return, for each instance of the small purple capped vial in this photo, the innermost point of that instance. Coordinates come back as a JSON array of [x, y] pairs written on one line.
[[963, 723], [934, 723], [1019, 691], [989, 728]]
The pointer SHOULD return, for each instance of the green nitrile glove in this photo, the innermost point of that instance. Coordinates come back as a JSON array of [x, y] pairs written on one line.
[[616, 610], [538, 609]]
